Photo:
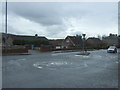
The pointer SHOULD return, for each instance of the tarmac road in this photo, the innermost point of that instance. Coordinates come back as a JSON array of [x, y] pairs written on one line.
[[61, 70]]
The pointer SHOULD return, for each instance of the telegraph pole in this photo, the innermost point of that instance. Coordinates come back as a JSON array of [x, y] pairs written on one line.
[[6, 26], [6, 17], [83, 42]]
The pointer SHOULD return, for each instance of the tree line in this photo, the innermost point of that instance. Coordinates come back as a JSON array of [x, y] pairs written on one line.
[[30, 42]]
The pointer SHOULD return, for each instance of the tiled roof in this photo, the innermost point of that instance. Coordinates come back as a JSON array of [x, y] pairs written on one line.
[[77, 40], [56, 42], [93, 39], [23, 37], [28, 37]]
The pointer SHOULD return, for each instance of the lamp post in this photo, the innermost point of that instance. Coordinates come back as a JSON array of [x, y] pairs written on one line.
[[6, 26], [84, 51], [83, 42], [6, 17]]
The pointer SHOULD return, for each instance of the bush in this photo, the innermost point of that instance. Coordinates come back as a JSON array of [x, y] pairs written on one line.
[[102, 45], [30, 42]]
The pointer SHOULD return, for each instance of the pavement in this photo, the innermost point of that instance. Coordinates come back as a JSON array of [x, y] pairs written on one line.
[[61, 70], [1, 72]]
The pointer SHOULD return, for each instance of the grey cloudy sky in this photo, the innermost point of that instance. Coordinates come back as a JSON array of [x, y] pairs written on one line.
[[57, 20]]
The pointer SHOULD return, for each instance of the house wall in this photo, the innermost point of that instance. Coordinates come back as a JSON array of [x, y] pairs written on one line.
[[111, 40], [7, 41], [93, 43], [45, 48], [56, 44], [67, 43]]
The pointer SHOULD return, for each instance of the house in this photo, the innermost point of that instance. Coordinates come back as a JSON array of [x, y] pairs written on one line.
[[29, 41], [22, 37], [119, 41], [112, 39], [93, 43], [6, 40], [71, 42], [45, 48], [56, 44]]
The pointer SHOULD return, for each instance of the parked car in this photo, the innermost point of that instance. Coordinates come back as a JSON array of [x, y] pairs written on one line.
[[112, 49]]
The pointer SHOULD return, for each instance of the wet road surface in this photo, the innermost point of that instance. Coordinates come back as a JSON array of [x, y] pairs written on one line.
[[61, 70]]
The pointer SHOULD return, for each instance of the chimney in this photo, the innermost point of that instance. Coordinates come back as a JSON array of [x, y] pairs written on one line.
[[78, 36], [36, 35]]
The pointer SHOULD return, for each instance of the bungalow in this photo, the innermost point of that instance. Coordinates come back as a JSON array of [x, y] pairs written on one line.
[[10, 39], [71, 42], [6, 40], [93, 43], [112, 39], [56, 44], [119, 41]]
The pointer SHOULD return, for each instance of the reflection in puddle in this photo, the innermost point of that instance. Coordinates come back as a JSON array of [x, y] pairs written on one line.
[[16, 62], [56, 54], [58, 63], [50, 65], [13, 62], [23, 59], [83, 56], [85, 64], [116, 62], [37, 66]]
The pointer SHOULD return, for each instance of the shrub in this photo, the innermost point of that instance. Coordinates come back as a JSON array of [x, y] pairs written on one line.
[[30, 42]]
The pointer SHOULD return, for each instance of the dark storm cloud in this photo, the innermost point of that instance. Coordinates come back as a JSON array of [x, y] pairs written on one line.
[[46, 13], [57, 20], [35, 12]]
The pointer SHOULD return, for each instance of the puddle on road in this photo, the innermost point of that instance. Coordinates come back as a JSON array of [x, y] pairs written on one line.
[[51, 65], [13, 62], [37, 65], [98, 56], [23, 59], [117, 62], [18, 63], [17, 60], [83, 56], [85, 64]]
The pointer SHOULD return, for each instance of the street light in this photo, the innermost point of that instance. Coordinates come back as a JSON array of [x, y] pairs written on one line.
[[84, 51], [6, 17], [84, 35], [83, 41], [6, 26]]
